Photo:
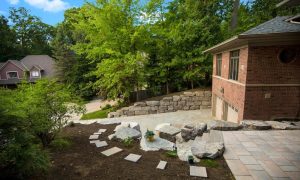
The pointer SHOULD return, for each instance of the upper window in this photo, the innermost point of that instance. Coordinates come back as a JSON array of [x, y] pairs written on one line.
[[219, 65], [287, 55], [13, 74], [234, 65], [35, 74]]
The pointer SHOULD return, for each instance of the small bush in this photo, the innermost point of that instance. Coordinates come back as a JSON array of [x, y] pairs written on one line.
[[60, 144], [106, 107], [172, 154], [128, 142]]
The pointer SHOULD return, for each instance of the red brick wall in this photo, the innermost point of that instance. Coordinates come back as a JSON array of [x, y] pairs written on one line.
[[234, 93], [264, 69], [10, 67]]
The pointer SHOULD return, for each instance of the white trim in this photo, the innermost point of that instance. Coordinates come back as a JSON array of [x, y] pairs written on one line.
[[256, 85], [18, 77]]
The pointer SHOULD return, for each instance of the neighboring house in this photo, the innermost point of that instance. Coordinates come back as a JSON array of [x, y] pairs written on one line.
[[30, 68], [256, 74]]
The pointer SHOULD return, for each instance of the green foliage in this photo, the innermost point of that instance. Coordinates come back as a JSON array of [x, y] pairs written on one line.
[[209, 163], [106, 107], [172, 154], [96, 115], [60, 144], [149, 134], [128, 142]]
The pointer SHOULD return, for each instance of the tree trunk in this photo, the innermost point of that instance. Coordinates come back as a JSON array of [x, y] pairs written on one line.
[[192, 84], [167, 87], [234, 16]]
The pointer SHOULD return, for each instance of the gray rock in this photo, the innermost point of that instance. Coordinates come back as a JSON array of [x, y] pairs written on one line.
[[189, 93], [223, 125], [152, 103], [167, 99], [211, 148], [281, 125], [157, 145], [256, 125], [190, 131], [176, 98], [112, 115], [184, 149], [168, 132], [140, 104], [127, 132], [141, 112]]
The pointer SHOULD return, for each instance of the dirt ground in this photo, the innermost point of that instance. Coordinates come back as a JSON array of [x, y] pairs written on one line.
[[84, 161]]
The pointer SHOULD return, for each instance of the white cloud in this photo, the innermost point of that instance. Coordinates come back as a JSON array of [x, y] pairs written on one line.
[[14, 2], [49, 5]]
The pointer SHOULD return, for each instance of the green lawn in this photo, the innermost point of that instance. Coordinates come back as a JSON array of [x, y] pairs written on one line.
[[95, 115]]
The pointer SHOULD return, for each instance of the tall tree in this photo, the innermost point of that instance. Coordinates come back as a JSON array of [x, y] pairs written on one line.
[[7, 39]]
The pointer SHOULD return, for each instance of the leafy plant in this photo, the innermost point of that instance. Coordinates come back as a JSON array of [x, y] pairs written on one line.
[[172, 154], [60, 144], [149, 134], [106, 107], [128, 142]]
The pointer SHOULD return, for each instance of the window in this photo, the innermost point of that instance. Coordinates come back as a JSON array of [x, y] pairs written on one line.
[[219, 65], [234, 65], [287, 55], [35, 74], [12, 74]]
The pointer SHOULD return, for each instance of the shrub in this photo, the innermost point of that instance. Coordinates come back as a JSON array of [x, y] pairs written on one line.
[[60, 144], [106, 107], [128, 142]]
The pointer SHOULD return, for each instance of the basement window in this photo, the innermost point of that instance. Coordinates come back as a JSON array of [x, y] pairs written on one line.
[[287, 55]]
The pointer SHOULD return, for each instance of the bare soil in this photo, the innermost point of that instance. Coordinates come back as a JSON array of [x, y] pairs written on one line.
[[84, 160]]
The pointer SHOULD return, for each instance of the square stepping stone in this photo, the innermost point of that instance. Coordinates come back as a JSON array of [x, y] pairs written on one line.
[[98, 133], [133, 157], [94, 141], [94, 136], [102, 130], [101, 144], [198, 171], [161, 165], [111, 151]]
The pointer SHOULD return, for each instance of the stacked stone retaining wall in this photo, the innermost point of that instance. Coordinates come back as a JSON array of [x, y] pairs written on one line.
[[187, 101]]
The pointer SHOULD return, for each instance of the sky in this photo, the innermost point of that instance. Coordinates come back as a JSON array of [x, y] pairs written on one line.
[[50, 11]]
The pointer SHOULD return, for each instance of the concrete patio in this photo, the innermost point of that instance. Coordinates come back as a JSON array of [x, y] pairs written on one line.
[[263, 155]]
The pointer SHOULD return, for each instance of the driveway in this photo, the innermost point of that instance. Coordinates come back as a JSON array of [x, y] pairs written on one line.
[[263, 154]]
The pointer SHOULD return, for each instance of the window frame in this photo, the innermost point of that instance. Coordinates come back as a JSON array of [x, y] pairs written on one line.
[[8, 76], [219, 64], [234, 65], [32, 74]]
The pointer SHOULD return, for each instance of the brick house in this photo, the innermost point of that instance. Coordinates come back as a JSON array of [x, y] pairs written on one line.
[[256, 74], [30, 68]]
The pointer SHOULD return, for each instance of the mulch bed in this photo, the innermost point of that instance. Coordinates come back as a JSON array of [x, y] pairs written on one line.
[[84, 161]]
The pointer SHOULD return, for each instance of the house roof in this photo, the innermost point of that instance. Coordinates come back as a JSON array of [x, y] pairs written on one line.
[[1, 64], [42, 62], [16, 63], [272, 29]]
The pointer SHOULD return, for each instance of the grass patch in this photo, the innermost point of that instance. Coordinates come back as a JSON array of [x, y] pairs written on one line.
[[209, 163], [96, 115], [172, 154]]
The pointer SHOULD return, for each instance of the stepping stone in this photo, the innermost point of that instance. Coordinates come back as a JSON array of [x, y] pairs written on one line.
[[98, 133], [111, 151], [102, 130], [161, 165], [94, 141], [198, 171], [94, 136], [101, 144], [133, 157]]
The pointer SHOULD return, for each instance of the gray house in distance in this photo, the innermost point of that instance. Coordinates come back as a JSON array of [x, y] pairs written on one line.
[[30, 68]]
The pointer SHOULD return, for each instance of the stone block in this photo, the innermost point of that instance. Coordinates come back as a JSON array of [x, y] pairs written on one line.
[[197, 103], [139, 104], [181, 103], [194, 107], [189, 93], [170, 110], [185, 98], [198, 171], [168, 133], [130, 113], [111, 151], [161, 111], [167, 99], [199, 93], [207, 93], [190, 103], [170, 107], [206, 103], [176, 98], [257, 125], [94, 136], [205, 107], [146, 108], [163, 108], [154, 108], [178, 107], [152, 111], [152, 103], [140, 112], [101, 144], [164, 103], [186, 108]]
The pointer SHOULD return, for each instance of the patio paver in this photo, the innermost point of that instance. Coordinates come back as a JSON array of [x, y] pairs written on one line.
[[111, 151], [94, 136], [101, 144], [133, 157], [263, 154], [161, 165], [198, 171]]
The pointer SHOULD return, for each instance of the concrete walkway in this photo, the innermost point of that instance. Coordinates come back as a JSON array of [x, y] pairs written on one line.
[[263, 154]]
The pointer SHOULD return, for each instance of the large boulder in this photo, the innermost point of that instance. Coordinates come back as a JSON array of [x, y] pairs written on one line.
[[184, 149], [157, 145], [212, 147], [168, 132], [256, 125], [133, 125], [126, 132], [223, 125], [282, 125], [190, 131]]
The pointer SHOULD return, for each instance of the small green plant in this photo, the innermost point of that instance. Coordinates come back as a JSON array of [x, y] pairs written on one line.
[[128, 142], [60, 144], [106, 107], [191, 159], [209, 163], [149, 135], [172, 154]]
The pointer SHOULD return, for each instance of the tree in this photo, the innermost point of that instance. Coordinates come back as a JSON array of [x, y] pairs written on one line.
[[7, 39]]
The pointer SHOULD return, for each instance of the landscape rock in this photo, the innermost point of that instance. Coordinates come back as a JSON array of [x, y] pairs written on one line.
[[256, 125], [168, 132], [139, 104], [127, 132], [156, 145], [152, 103], [223, 125], [184, 149], [281, 125], [190, 131]]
